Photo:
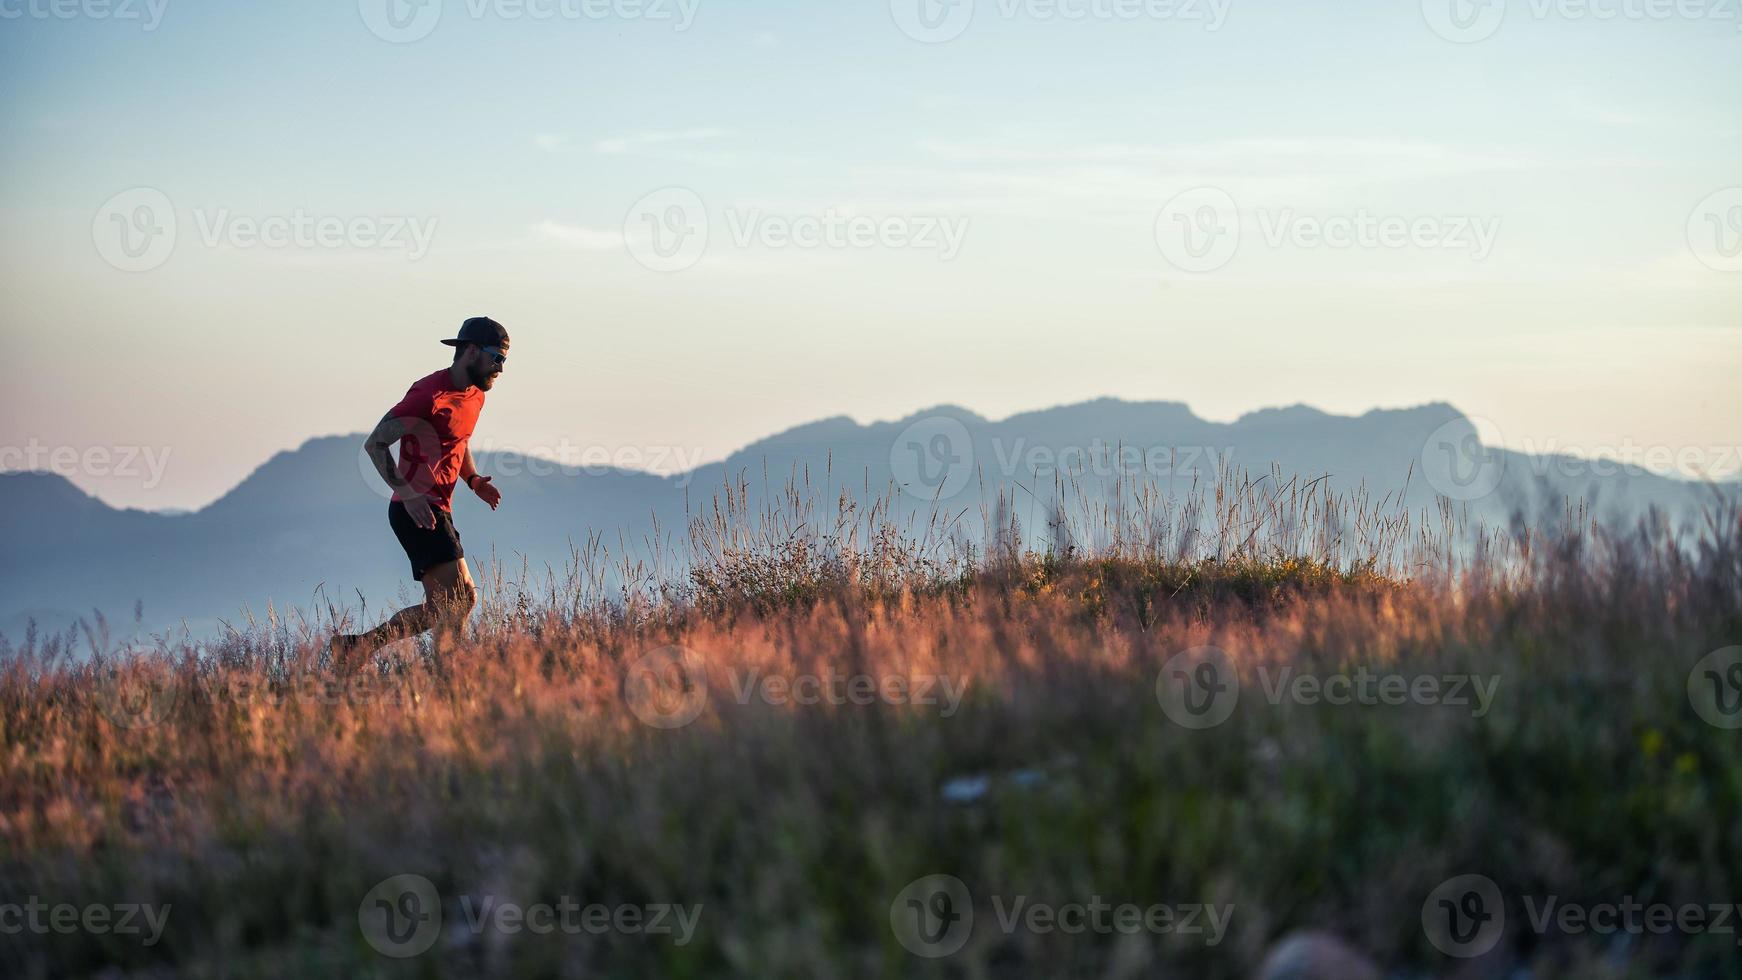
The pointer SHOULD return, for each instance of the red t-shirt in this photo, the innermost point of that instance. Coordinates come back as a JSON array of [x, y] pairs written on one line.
[[441, 421]]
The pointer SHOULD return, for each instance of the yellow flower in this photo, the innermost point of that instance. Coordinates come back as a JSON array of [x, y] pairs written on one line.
[[1651, 743]]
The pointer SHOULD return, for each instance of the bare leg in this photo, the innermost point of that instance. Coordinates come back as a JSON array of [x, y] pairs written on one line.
[[448, 597]]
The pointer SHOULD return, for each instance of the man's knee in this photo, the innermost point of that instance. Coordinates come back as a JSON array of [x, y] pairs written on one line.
[[462, 597], [454, 600], [450, 590]]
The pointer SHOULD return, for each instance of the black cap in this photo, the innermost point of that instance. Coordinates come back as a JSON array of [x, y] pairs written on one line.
[[483, 331]]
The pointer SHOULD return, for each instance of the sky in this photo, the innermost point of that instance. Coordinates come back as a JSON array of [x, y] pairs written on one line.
[[229, 228]]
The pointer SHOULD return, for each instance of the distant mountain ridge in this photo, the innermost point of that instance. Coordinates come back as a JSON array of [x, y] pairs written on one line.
[[314, 517]]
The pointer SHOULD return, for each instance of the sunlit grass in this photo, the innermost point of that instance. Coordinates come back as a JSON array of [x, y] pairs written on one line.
[[260, 797]]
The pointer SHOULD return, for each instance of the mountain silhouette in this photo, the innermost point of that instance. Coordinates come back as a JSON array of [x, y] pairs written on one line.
[[314, 518]]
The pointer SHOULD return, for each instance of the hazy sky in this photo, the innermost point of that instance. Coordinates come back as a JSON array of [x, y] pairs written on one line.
[[1532, 211]]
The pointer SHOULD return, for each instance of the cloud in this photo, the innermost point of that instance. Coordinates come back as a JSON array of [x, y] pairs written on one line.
[[550, 141], [1101, 181], [636, 141], [1266, 157], [575, 236]]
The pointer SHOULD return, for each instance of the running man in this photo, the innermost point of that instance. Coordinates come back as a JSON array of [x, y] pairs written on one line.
[[433, 424]]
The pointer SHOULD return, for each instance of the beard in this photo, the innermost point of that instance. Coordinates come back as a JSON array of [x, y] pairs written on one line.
[[483, 377]]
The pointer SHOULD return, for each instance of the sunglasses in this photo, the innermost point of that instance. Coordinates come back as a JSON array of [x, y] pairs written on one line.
[[499, 355]]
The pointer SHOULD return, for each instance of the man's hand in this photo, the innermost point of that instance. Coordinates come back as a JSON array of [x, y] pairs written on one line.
[[418, 509], [486, 491]]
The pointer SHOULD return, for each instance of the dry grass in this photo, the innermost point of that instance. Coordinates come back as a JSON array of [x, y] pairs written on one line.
[[261, 800]]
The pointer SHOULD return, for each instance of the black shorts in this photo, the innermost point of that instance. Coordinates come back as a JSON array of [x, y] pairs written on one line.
[[425, 547]]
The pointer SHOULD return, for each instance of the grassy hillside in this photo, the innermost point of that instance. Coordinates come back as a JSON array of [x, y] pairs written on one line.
[[1178, 748]]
